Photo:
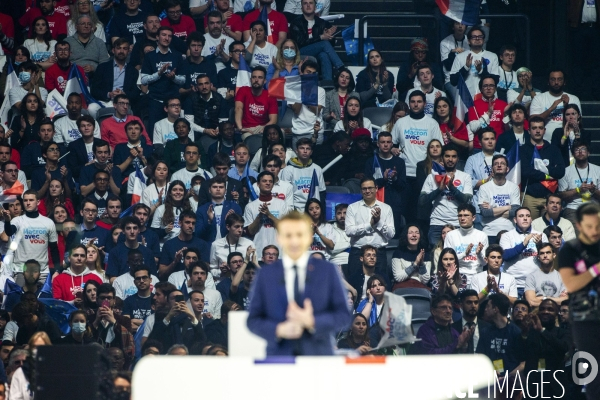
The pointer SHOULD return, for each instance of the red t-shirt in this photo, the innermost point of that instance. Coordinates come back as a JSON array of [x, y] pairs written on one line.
[[481, 107], [256, 109], [57, 22], [8, 28], [277, 21], [183, 29], [461, 133], [234, 23], [56, 78]]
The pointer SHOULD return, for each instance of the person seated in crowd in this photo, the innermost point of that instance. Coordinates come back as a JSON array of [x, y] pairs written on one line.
[[128, 23], [28, 74], [438, 335], [227, 139], [375, 83], [6, 156], [227, 77], [307, 120], [550, 105], [411, 265], [87, 50], [335, 100], [227, 271], [100, 162], [259, 51], [208, 108], [117, 262], [25, 129], [196, 65], [55, 170], [491, 280], [221, 166], [188, 256], [164, 130], [81, 151], [242, 280], [86, 7], [541, 176], [312, 34], [572, 130], [198, 277], [425, 77], [125, 284], [112, 129], [240, 167], [57, 75], [357, 337], [517, 133], [81, 332], [469, 305], [183, 25], [110, 329], [67, 129], [217, 43], [175, 150], [508, 78], [31, 158], [165, 220], [520, 311], [469, 243], [443, 193], [352, 117], [192, 156], [520, 250], [488, 110], [447, 278], [213, 214], [233, 25], [358, 280], [139, 305], [57, 21], [300, 173], [254, 109], [133, 155], [407, 74], [279, 24], [474, 63], [552, 216], [451, 46], [30, 317], [114, 77], [287, 62], [524, 92], [545, 282]]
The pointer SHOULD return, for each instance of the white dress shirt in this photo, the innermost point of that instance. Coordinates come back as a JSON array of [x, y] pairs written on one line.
[[359, 229], [290, 275]]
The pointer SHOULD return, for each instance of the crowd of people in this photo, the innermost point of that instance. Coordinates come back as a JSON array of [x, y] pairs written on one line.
[[152, 203]]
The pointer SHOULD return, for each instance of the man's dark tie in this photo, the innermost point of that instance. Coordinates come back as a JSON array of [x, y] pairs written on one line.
[[471, 346], [297, 294]]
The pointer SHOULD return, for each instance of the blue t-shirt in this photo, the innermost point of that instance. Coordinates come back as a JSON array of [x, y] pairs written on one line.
[[100, 234], [505, 344], [192, 71], [151, 239], [137, 307], [38, 177], [224, 287], [163, 88], [172, 246], [127, 26], [117, 261], [87, 175], [122, 152]]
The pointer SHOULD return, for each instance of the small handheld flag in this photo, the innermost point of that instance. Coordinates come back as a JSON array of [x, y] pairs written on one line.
[[303, 89], [313, 192], [264, 17], [249, 186]]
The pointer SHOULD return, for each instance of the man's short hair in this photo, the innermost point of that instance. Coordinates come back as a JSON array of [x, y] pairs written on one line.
[[417, 93], [487, 76], [121, 96], [192, 144], [241, 145], [508, 47], [587, 209], [473, 29], [86, 118], [265, 173], [198, 264], [61, 43], [310, 63], [487, 129], [259, 68], [195, 37], [499, 156], [258, 22], [304, 141], [272, 158], [269, 247], [47, 121], [141, 267], [439, 298], [100, 172], [106, 288], [46, 146], [538, 119], [134, 122], [449, 147], [501, 302], [552, 229], [524, 302], [28, 192], [4, 164], [234, 254], [120, 41], [130, 220], [235, 43], [218, 180], [366, 248], [517, 106], [139, 206], [340, 206], [468, 293], [99, 143], [187, 214], [542, 245], [221, 159], [579, 143], [214, 14], [494, 248], [233, 218], [467, 207], [164, 28]]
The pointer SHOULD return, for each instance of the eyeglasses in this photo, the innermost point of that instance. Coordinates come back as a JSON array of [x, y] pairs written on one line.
[[174, 105], [477, 37], [524, 309], [89, 211], [368, 189], [271, 254], [141, 278], [11, 171], [444, 307]]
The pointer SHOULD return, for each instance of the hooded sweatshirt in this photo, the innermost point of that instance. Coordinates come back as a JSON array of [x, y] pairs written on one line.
[[67, 284], [300, 176]]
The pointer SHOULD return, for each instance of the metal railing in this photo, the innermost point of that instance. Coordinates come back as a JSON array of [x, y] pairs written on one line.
[[361, 38]]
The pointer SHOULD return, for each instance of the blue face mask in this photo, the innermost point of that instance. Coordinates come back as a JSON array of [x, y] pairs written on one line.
[[18, 62], [24, 77], [78, 327], [289, 53]]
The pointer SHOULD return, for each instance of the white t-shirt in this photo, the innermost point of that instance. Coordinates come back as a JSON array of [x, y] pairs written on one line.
[[211, 46], [212, 302], [574, 177], [17, 93], [523, 264], [339, 126], [157, 219], [124, 286], [545, 284], [267, 234], [543, 101], [472, 80], [317, 244], [508, 80], [498, 196], [339, 255], [66, 131], [303, 123], [39, 51], [446, 46], [150, 194], [263, 56], [295, 7], [179, 277], [37, 233], [444, 209], [282, 190], [506, 283], [220, 250], [163, 132], [459, 239], [413, 137], [256, 160], [186, 176], [429, 99], [300, 178], [511, 97]]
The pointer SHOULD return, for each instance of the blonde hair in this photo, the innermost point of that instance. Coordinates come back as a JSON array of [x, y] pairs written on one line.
[[39, 335], [279, 58], [92, 14], [98, 263]]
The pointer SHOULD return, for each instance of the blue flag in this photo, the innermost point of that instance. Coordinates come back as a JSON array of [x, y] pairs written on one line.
[[249, 186], [59, 311], [47, 288], [314, 186], [13, 293], [351, 43]]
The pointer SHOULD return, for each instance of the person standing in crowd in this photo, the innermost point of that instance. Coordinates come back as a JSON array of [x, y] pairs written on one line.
[[552, 217], [491, 280], [450, 47], [545, 282], [488, 110], [517, 114]]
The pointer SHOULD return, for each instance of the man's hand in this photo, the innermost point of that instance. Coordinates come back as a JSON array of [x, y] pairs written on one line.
[[469, 248], [88, 68], [464, 337], [148, 49], [264, 209], [329, 33], [288, 330], [302, 316], [478, 65], [210, 213], [179, 255], [375, 215], [565, 99], [163, 68], [210, 132], [479, 248], [171, 75], [469, 61]]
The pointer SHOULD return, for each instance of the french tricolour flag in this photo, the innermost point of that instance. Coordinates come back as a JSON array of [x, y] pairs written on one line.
[[139, 184], [264, 17], [514, 165], [463, 11], [302, 89], [464, 101], [243, 75], [76, 84], [439, 172], [538, 164], [11, 81]]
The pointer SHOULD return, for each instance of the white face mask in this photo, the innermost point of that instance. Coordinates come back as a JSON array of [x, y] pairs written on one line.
[[78, 327], [196, 190]]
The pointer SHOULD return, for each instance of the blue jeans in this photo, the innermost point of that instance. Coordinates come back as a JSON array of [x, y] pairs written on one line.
[[328, 58]]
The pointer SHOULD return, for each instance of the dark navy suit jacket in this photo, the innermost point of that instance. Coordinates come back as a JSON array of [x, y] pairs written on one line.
[[207, 231], [268, 305]]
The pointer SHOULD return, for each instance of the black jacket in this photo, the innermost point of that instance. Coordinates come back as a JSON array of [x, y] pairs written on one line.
[[565, 149], [299, 31], [233, 185], [531, 177], [508, 139], [188, 334], [102, 81], [78, 156]]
